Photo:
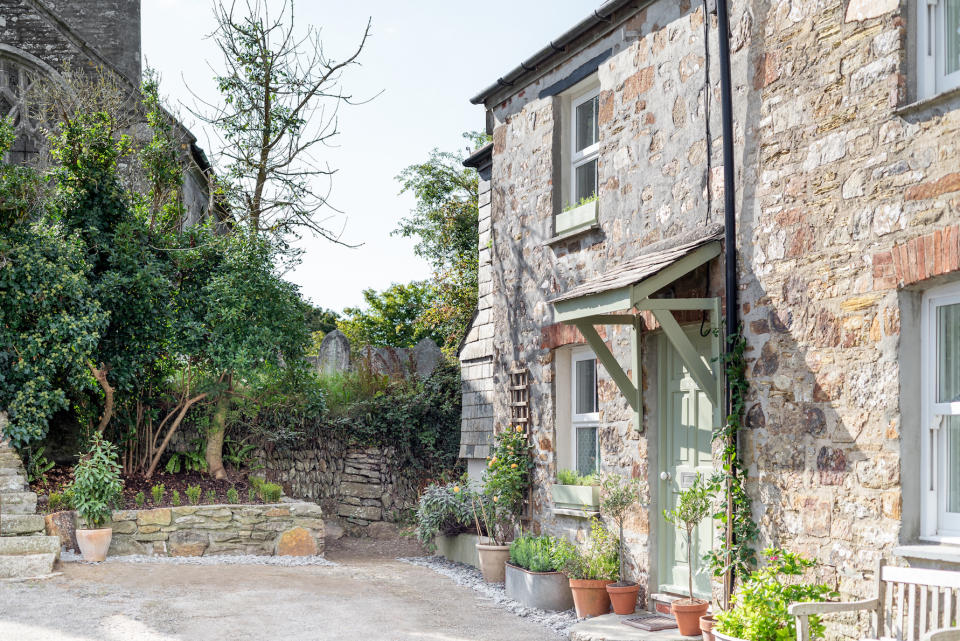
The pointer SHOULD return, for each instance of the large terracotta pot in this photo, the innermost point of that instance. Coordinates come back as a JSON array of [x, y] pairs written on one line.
[[706, 627], [687, 613], [94, 543], [623, 597], [493, 561], [590, 597]]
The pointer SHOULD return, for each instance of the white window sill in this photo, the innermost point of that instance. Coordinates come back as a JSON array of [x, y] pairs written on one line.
[[577, 514], [941, 552]]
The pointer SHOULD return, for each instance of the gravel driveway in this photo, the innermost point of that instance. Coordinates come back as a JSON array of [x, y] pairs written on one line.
[[360, 598]]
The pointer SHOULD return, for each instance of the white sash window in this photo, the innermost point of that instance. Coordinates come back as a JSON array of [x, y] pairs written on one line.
[[938, 46]]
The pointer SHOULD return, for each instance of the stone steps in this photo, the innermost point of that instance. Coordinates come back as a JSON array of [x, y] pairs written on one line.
[[22, 566], [18, 502], [26, 545], [21, 524], [13, 483]]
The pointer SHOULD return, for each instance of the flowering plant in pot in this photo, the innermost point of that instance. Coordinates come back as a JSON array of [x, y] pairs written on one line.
[[617, 496], [96, 490], [759, 610], [693, 505], [590, 569]]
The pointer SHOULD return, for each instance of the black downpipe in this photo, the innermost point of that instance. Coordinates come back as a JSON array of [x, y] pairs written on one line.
[[729, 229]]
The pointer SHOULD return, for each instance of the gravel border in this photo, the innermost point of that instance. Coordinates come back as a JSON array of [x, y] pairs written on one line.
[[221, 559], [468, 576]]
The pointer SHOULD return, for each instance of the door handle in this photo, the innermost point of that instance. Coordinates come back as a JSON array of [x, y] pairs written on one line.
[[665, 476]]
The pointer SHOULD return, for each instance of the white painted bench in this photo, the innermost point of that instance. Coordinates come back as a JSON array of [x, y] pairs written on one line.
[[912, 604]]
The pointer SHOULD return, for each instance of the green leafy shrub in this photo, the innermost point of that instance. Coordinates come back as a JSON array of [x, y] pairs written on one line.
[[139, 499], [252, 494], [271, 492], [175, 498], [597, 559], [536, 553], [570, 477], [56, 502], [193, 494], [759, 607], [210, 497], [617, 496], [157, 492], [693, 505], [192, 460], [508, 469], [233, 496], [444, 509], [97, 487]]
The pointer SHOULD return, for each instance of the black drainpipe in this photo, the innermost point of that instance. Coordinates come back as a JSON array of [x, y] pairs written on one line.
[[729, 223]]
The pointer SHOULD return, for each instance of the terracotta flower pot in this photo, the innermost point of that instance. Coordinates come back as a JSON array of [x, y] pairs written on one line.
[[94, 543], [623, 597], [706, 626], [590, 597], [493, 561], [687, 613]]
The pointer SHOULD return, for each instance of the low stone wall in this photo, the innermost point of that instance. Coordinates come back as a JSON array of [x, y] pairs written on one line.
[[283, 529]]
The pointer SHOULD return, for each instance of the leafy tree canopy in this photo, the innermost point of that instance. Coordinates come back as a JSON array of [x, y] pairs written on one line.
[[392, 317]]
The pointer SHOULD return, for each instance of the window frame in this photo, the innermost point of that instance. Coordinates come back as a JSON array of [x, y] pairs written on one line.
[[587, 154], [584, 420], [936, 523], [931, 51]]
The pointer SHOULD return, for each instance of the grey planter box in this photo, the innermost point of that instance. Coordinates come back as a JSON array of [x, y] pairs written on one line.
[[576, 497], [548, 591], [461, 548]]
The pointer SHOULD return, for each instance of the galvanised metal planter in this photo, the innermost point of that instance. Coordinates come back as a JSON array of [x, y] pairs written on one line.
[[548, 591], [576, 497]]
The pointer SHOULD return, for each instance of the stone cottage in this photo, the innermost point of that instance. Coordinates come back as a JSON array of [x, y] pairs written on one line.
[[602, 272]]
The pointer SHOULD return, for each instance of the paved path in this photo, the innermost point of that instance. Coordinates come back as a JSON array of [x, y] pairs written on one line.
[[362, 599]]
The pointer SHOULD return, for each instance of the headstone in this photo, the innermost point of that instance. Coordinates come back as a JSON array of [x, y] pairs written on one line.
[[426, 356], [334, 353]]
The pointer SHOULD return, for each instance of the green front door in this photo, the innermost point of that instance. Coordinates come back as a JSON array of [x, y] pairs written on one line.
[[686, 424]]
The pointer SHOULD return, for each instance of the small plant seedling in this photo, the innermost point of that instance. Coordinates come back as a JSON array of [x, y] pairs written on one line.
[[210, 496], [193, 494], [252, 494], [271, 492], [55, 501], [175, 498], [157, 492], [233, 496], [139, 499]]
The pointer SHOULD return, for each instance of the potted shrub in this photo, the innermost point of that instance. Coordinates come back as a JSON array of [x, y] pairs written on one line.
[[758, 610], [590, 569], [693, 505], [504, 486], [445, 511], [575, 492], [533, 577], [96, 490], [618, 495]]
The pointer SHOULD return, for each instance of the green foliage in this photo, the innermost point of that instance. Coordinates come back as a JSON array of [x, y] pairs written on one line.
[[617, 496], [393, 317], [251, 494], [175, 498], [191, 460], [759, 608], [193, 494], [36, 463], [318, 319], [597, 559], [233, 496], [96, 485], [210, 496], [56, 502], [571, 477], [444, 508], [536, 553], [342, 390], [238, 453], [692, 506], [139, 499], [157, 492], [270, 492], [507, 475], [583, 201]]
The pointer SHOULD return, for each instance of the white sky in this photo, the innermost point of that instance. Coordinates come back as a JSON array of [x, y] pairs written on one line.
[[427, 57]]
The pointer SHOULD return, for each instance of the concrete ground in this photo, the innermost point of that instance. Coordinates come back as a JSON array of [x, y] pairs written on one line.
[[369, 596]]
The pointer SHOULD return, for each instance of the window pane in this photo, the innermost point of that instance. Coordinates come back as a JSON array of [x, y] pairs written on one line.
[[952, 424], [586, 386], [951, 39], [948, 353], [586, 180], [587, 129], [586, 450]]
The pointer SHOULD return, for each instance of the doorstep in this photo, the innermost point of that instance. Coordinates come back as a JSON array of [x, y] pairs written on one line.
[[609, 628]]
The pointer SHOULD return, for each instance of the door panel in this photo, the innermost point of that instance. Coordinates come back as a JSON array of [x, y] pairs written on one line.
[[686, 426]]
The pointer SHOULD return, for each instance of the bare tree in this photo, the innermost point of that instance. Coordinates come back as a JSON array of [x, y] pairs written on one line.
[[280, 97]]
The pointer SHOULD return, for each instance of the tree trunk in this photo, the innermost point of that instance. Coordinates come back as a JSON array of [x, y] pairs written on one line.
[[218, 429], [173, 428], [101, 376]]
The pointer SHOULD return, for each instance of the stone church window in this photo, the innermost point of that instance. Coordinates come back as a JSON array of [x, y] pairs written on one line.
[[16, 80]]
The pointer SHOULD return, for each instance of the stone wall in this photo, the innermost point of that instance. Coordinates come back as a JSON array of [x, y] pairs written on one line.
[[289, 528]]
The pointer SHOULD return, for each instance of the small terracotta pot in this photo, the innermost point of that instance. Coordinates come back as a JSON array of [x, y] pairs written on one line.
[[493, 561], [706, 626], [590, 597], [94, 543], [623, 597], [687, 612]]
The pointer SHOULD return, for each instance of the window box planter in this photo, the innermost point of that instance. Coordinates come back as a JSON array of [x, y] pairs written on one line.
[[461, 548], [548, 591], [584, 498], [577, 218]]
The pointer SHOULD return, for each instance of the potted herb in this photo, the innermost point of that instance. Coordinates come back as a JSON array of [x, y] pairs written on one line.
[[693, 505], [759, 611], [533, 577], [496, 511], [590, 569], [575, 492], [618, 496], [96, 489], [445, 520]]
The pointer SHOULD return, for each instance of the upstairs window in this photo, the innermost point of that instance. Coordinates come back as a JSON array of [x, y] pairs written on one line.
[[938, 40], [585, 139]]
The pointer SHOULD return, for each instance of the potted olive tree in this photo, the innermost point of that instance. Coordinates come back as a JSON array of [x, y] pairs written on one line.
[[617, 496], [693, 505], [96, 489], [590, 569]]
